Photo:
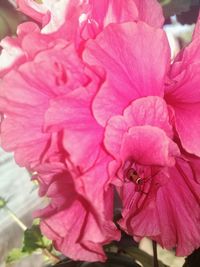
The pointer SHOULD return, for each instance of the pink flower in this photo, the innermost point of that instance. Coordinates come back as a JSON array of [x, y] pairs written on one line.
[[132, 71], [169, 213], [33, 9], [156, 185], [138, 131], [77, 19], [196, 33], [119, 117], [72, 20], [24, 47], [48, 72], [183, 95], [79, 237], [25, 99]]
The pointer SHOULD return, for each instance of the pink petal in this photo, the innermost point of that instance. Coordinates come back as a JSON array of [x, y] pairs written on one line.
[[132, 71], [150, 111], [93, 227], [59, 227], [25, 99], [184, 97], [105, 12], [148, 145], [196, 33], [150, 11], [82, 136], [32, 9], [167, 204]]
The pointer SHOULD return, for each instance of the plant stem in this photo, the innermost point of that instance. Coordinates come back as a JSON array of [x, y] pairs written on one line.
[[53, 258], [155, 256], [16, 219]]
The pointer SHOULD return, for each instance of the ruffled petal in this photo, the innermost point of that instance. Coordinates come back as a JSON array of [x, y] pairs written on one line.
[[148, 111], [90, 198], [132, 71], [185, 102], [150, 11], [166, 205], [148, 145], [82, 136]]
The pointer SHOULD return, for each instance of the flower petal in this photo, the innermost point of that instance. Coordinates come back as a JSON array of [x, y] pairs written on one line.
[[150, 111], [148, 145], [150, 11], [184, 97], [133, 68]]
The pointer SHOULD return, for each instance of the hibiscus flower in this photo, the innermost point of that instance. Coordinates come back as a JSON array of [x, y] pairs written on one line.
[[139, 107], [157, 183]]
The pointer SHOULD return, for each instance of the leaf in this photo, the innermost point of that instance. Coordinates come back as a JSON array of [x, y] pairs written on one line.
[[33, 240], [15, 255]]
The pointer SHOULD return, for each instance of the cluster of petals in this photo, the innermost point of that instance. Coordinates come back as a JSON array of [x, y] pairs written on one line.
[[91, 102]]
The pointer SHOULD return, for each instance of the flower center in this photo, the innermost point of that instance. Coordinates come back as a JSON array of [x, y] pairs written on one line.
[[133, 176]]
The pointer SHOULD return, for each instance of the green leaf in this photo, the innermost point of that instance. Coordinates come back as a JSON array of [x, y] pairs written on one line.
[[33, 240], [15, 255]]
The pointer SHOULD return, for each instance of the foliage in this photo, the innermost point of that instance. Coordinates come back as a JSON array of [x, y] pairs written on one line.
[[33, 241], [15, 255]]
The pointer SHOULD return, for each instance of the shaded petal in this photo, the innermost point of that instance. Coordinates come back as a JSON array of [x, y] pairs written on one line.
[[166, 205], [144, 111], [184, 97], [87, 196], [196, 33], [133, 69], [148, 145], [32, 9], [113, 11], [187, 56], [60, 226], [150, 11], [82, 137], [150, 110]]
